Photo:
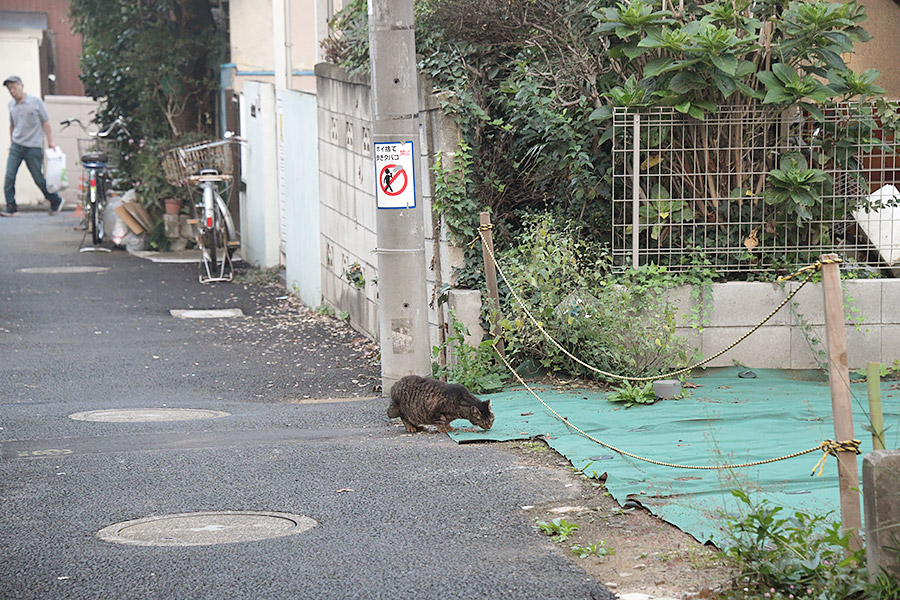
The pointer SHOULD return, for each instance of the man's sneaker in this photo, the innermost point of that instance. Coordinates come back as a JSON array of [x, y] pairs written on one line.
[[55, 210], [9, 212]]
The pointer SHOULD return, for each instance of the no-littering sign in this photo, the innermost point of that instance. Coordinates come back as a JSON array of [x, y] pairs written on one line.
[[394, 171]]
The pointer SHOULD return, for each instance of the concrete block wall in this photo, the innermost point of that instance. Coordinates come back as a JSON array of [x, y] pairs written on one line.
[[347, 198], [872, 309], [347, 195]]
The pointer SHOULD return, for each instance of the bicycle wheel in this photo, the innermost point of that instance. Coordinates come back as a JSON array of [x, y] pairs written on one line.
[[98, 203], [216, 243], [85, 207], [226, 228]]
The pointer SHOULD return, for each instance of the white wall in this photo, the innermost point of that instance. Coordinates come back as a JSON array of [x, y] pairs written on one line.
[[259, 203], [252, 48], [301, 194], [20, 51], [61, 108]]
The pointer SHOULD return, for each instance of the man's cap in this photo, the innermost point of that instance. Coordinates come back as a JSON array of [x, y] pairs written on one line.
[[12, 79]]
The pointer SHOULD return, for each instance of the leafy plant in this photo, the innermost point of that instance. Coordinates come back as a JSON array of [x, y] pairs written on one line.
[[155, 62], [633, 394], [158, 240], [144, 167], [592, 549], [354, 275], [801, 555], [796, 188], [558, 529], [622, 325], [532, 86], [473, 367], [452, 197]]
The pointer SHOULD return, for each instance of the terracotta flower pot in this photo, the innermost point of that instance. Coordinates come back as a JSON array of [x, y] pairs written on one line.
[[173, 206]]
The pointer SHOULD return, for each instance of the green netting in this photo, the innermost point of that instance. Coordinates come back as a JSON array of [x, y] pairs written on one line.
[[727, 420]]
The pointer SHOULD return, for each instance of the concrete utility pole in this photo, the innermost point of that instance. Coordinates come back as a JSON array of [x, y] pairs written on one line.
[[402, 296]]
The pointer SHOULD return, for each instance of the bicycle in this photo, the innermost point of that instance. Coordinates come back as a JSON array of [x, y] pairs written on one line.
[[99, 160], [207, 167]]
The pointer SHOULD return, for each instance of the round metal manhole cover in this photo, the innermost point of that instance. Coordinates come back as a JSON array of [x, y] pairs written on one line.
[[62, 270], [211, 313], [147, 415], [206, 528]]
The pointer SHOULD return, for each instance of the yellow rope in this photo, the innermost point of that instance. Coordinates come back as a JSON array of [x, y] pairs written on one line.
[[832, 447], [809, 269], [828, 446]]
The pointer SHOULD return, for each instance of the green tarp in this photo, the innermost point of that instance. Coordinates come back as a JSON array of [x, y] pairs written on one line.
[[727, 420]]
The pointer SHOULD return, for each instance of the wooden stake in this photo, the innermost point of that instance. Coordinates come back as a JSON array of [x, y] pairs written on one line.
[[873, 378], [490, 277], [841, 408]]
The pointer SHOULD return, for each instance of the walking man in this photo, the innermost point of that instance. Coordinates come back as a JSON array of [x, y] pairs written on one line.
[[28, 124]]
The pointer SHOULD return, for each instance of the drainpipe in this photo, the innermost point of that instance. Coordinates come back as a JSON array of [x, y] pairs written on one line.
[[281, 30]]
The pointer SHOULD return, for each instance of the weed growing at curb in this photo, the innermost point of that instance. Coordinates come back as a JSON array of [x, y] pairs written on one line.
[[796, 557], [559, 529]]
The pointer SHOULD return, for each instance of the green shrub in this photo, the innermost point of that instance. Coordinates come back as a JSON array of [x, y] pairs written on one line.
[[632, 394], [623, 325], [475, 367], [799, 557]]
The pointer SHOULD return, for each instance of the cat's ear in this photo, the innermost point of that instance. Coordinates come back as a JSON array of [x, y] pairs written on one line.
[[488, 402]]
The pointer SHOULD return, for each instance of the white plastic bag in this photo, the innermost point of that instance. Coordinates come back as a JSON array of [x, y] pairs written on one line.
[[56, 170]]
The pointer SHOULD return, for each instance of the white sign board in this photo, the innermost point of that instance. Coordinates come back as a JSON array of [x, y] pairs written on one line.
[[882, 224], [395, 183]]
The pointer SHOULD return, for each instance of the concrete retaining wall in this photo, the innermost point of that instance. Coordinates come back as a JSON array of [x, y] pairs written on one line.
[[872, 309]]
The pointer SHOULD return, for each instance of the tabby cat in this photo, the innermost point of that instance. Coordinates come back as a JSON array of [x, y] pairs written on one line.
[[422, 401]]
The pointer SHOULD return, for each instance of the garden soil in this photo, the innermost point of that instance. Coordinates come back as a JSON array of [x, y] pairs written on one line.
[[639, 553]]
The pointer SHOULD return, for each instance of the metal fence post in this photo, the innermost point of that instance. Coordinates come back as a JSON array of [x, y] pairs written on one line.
[[635, 192]]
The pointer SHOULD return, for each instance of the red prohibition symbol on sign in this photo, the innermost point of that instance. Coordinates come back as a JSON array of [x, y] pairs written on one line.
[[393, 180]]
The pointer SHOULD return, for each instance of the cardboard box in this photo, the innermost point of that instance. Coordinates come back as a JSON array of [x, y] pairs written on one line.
[[132, 223]]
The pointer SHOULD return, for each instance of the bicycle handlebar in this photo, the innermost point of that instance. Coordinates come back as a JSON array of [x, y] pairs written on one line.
[[119, 123]]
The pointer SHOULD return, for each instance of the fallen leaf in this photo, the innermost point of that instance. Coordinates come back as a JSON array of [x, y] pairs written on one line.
[[752, 242], [651, 161]]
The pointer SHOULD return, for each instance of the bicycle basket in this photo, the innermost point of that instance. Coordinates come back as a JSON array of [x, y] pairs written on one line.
[[181, 163], [101, 146]]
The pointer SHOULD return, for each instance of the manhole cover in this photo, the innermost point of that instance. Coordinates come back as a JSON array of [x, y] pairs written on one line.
[[206, 528], [62, 270], [218, 313], [145, 415]]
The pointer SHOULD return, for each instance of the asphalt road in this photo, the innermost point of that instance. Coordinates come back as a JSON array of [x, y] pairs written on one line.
[[398, 516]]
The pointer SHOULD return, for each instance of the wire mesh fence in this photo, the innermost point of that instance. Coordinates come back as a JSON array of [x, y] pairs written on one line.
[[754, 188]]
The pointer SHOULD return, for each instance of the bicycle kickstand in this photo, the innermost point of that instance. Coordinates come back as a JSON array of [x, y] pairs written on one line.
[[226, 270]]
